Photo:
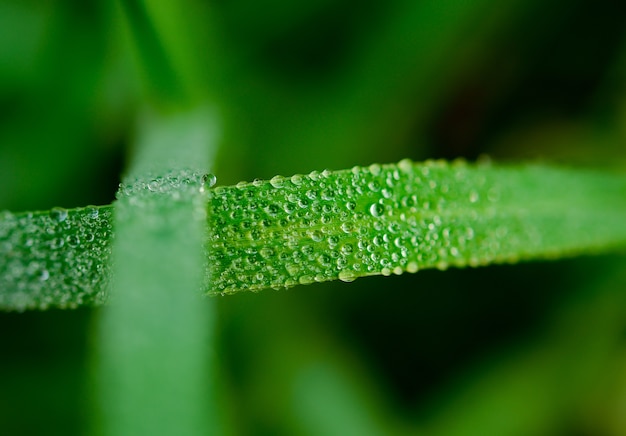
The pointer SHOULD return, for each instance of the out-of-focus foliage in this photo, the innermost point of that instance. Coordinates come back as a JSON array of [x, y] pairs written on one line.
[[525, 349]]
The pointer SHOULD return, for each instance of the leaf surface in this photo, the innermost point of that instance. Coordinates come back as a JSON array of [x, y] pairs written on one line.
[[381, 219]]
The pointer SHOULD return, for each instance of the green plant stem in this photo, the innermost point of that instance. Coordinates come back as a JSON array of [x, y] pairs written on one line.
[[153, 365]]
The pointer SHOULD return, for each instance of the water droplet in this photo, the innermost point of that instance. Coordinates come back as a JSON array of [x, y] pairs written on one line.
[[377, 210], [324, 259], [412, 267], [374, 186], [92, 212], [493, 195], [272, 209], [57, 243], [347, 276], [306, 280], [375, 169], [406, 165], [73, 241], [347, 248], [347, 227], [316, 235], [208, 180], [328, 194], [58, 214], [154, 185], [297, 179], [442, 265], [267, 252]]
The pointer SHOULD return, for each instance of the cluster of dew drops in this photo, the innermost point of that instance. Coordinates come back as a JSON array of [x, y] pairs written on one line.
[[178, 184], [57, 258], [381, 219]]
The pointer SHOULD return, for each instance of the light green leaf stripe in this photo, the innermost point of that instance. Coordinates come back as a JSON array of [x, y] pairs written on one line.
[[384, 219], [387, 219]]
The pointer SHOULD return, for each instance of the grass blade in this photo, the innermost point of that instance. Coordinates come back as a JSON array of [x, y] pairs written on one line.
[[58, 258], [153, 360], [383, 219], [388, 219]]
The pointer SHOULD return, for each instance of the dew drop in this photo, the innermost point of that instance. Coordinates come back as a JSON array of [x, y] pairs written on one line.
[[347, 227], [347, 276], [306, 280], [442, 265], [375, 169], [493, 195], [377, 210], [324, 259], [267, 252], [374, 186], [316, 235], [406, 165], [92, 212], [208, 180], [58, 214], [297, 179], [73, 241], [347, 248], [56, 243], [328, 194]]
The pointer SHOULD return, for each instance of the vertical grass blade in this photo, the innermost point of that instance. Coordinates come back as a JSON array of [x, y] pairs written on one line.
[[155, 335]]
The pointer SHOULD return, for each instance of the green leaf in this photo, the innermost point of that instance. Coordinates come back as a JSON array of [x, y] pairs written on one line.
[[153, 362], [383, 219], [59, 258], [388, 219]]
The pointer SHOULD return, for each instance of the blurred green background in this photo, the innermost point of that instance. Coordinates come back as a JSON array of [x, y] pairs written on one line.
[[531, 349]]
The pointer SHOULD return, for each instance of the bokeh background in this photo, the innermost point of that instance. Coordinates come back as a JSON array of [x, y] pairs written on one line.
[[530, 349]]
